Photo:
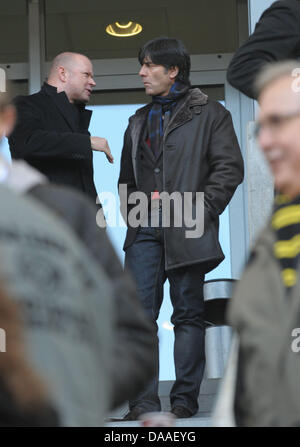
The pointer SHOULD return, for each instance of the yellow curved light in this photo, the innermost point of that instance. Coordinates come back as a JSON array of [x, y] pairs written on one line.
[[123, 26], [124, 30]]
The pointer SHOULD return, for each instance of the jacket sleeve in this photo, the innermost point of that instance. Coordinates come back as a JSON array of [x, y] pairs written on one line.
[[30, 139], [276, 37], [225, 161], [135, 345], [126, 182]]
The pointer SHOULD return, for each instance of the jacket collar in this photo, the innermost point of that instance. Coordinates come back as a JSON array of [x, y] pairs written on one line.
[[194, 99], [65, 107], [197, 97]]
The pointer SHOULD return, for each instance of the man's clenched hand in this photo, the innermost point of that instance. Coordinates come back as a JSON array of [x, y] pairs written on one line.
[[101, 145]]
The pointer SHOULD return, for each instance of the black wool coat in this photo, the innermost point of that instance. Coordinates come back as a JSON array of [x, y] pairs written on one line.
[[200, 154], [48, 137]]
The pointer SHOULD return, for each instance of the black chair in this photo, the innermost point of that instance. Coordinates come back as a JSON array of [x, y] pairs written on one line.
[[217, 292]]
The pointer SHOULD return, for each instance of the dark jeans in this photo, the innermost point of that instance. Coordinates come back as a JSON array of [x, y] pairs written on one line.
[[145, 260]]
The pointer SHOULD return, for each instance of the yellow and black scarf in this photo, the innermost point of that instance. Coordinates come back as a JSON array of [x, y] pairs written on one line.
[[286, 224]]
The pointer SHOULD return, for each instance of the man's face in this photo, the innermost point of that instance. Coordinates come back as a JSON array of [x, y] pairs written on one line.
[[157, 79], [80, 80], [279, 134], [7, 120]]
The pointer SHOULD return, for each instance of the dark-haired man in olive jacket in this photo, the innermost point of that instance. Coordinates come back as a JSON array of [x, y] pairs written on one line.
[[182, 144]]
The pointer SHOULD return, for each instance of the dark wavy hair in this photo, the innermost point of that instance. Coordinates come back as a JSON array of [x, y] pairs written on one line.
[[169, 52]]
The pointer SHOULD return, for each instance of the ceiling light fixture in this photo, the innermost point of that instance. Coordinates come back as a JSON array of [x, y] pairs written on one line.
[[128, 29]]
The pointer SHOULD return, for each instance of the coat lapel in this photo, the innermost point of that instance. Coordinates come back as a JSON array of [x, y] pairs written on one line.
[[86, 118], [65, 107], [137, 133]]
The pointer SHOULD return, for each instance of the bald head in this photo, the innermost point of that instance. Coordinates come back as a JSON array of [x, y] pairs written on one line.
[[73, 74], [67, 60]]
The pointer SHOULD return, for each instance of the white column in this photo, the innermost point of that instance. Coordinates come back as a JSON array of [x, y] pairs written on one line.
[[241, 112], [36, 44]]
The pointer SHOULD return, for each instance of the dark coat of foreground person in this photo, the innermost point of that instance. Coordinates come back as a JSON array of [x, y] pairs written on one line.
[[276, 37]]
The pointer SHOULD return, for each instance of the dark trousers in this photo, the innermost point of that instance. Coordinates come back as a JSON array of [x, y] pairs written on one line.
[[145, 259]]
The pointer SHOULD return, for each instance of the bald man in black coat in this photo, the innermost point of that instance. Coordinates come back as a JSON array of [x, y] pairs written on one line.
[[52, 129]]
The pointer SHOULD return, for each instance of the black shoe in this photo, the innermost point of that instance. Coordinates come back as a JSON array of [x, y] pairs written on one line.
[[181, 412], [134, 414]]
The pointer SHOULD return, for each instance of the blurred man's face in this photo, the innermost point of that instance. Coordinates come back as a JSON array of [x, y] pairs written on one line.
[[80, 80], [157, 79], [7, 120], [279, 134]]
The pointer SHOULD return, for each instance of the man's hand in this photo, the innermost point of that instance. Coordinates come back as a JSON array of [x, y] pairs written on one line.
[[101, 145]]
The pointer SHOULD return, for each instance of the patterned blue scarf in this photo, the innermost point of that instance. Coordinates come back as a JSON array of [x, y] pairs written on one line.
[[162, 107]]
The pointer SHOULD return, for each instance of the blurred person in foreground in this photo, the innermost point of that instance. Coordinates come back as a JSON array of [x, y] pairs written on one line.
[[24, 397], [127, 339], [265, 308]]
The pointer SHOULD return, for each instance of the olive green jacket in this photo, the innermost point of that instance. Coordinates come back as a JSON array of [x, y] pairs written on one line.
[[267, 389]]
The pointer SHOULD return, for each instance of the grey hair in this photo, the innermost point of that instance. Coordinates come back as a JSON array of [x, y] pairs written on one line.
[[273, 71]]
